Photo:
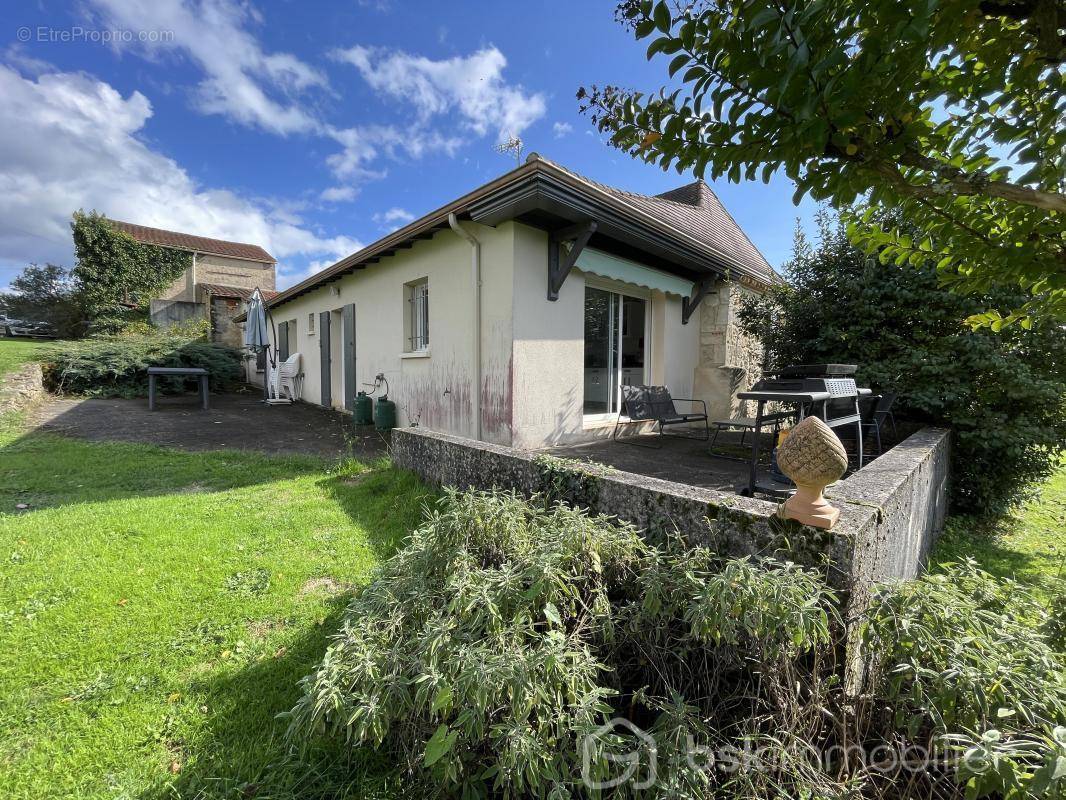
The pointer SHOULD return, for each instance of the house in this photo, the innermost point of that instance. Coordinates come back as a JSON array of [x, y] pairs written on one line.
[[513, 314], [217, 284]]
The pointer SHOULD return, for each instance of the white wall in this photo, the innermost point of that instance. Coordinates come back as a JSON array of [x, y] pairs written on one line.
[[433, 389], [549, 342], [532, 382]]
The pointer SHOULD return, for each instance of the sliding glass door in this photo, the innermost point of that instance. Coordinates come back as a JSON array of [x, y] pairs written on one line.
[[614, 347]]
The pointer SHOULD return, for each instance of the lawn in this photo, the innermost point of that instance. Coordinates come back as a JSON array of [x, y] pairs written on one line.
[[157, 609], [1028, 545], [16, 352]]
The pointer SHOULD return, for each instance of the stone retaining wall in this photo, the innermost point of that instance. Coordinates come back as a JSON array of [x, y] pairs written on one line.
[[21, 388], [891, 510]]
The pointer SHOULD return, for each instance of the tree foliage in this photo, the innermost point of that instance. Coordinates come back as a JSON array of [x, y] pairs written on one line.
[[949, 110], [114, 272], [1001, 393], [45, 294], [509, 650], [109, 287]]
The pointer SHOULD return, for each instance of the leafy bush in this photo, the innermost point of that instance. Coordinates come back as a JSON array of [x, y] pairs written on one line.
[[1001, 393], [961, 666], [116, 366], [513, 650]]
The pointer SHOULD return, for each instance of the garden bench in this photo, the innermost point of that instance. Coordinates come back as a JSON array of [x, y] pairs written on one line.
[[177, 372], [655, 404]]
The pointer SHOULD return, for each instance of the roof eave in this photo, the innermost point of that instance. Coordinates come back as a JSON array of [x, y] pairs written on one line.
[[543, 185]]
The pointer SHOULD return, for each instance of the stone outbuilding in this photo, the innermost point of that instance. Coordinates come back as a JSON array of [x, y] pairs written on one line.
[[216, 285]]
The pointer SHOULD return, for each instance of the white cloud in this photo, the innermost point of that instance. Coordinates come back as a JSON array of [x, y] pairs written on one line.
[[241, 81], [365, 144], [339, 194], [561, 129], [394, 218], [70, 141], [473, 86]]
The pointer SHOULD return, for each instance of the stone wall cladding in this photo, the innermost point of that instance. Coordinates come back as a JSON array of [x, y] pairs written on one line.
[[732, 525], [22, 388], [730, 361], [234, 272], [891, 511]]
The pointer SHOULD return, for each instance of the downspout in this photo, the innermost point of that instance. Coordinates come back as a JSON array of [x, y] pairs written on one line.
[[475, 274]]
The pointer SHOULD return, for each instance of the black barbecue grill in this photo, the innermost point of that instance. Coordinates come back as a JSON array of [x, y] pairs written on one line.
[[827, 391]]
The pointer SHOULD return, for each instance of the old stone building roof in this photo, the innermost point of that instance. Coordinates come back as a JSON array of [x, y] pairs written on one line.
[[195, 244]]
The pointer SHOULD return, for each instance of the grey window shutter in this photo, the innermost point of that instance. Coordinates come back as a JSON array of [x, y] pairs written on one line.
[[324, 358], [348, 343]]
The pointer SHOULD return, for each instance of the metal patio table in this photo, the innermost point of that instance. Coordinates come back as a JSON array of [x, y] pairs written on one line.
[[177, 372], [806, 403]]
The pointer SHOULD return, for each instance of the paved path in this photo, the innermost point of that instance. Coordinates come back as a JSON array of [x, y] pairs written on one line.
[[234, 422]]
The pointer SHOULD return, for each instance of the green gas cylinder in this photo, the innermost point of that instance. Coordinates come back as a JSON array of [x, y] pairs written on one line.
[[384, 414], [364, 409]]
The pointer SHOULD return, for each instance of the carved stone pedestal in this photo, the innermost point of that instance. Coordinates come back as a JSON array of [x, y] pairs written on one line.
[[813, 457]]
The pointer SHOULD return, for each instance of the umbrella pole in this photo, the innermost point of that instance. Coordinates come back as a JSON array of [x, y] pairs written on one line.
[[266, 377]]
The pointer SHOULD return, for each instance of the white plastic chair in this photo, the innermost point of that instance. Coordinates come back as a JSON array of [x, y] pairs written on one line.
[[286, 384]]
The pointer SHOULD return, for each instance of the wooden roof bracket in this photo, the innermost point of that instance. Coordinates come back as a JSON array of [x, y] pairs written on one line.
[[558, 265], [689, 304]]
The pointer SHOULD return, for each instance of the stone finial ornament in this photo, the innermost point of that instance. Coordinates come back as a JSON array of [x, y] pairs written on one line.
[[813, 457]]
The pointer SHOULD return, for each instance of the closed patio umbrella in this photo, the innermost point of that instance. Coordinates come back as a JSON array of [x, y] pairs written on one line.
[[256, 334]]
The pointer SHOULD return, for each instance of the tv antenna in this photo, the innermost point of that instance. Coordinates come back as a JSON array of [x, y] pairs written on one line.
[[512, 145]]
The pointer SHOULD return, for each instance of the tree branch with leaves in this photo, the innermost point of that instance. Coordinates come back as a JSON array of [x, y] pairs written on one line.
[[949, 111]]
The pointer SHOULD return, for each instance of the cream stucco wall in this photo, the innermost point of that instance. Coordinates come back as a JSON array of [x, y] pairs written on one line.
[[549, 340], [533, 373], [433, 389]]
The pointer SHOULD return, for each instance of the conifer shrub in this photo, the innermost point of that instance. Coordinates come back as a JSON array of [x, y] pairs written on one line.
[[116, 365]]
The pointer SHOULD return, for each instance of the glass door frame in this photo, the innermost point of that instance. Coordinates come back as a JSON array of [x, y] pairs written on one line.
[[621, 290]]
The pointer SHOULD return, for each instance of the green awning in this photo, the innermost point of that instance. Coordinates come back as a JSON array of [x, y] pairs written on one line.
[[625, 271]]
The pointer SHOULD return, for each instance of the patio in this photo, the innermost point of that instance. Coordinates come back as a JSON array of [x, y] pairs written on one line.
[[688, 460], [680, 459], [233, 422]]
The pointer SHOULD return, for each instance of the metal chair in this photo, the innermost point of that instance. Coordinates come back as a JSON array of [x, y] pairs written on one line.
[[878, 410]]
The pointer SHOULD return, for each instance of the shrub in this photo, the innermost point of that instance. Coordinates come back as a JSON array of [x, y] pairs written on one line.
[[960, 664], [116, 366], [508, 650], [1001, 393]]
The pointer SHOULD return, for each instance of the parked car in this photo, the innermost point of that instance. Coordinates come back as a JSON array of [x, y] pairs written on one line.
[[32, 329]]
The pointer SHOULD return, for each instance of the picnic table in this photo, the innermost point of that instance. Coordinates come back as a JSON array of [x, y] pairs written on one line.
[[177, 372]]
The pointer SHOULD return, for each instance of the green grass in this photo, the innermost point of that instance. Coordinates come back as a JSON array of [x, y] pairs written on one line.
[[16, 352], [157, 609], [1029, 545]]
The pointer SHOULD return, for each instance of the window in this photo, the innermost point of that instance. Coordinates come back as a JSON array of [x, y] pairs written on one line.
[[416, 315], [614, 347], [311, 324]]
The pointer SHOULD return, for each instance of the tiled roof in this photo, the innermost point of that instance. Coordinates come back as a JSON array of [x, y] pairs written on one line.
[[691, 214], [239, 292], [197, 244], [695, 209]]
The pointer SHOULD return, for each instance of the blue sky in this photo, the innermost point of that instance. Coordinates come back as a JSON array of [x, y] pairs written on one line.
[[311, 128]]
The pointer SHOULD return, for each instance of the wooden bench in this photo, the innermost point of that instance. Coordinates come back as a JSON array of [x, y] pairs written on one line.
[[177, 372], [655, 404]]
